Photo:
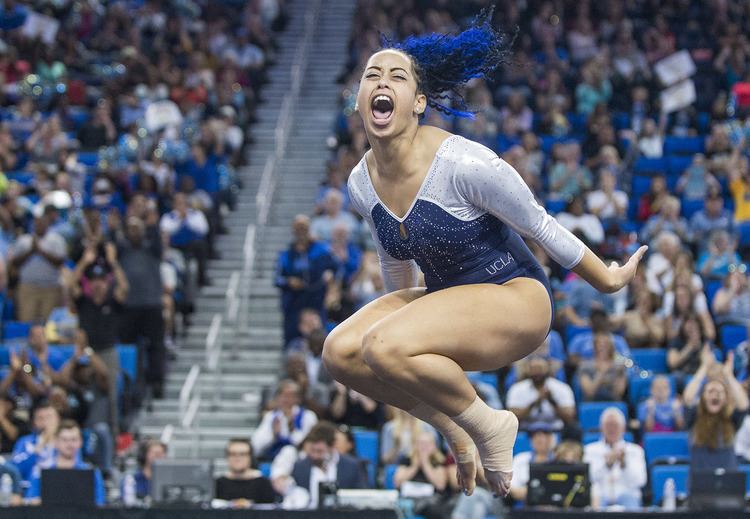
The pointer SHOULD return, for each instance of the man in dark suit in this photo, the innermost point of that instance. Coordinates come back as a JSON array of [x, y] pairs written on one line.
[[324, 464]]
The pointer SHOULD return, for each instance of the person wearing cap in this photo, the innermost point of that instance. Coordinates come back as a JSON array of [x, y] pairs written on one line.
[[99, 305], [37, 257], [540, 399], [542, 451], [617, 467]]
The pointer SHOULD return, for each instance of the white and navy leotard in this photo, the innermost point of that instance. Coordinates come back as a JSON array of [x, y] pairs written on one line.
[[464, 224]]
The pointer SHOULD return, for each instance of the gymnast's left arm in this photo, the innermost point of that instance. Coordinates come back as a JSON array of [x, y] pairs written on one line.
[[495, 186]]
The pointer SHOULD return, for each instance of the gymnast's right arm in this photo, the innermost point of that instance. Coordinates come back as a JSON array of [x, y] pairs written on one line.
[[495, 186], [397, 274]]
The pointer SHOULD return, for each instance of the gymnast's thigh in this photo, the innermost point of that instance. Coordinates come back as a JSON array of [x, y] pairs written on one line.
[[349, 334], [480, 327]]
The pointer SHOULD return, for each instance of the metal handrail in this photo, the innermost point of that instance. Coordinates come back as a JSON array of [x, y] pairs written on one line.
[[166, 434], [187, 388], [214, 343]]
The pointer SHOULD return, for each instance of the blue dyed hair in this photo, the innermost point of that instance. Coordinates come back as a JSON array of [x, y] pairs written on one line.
[[444, 62]]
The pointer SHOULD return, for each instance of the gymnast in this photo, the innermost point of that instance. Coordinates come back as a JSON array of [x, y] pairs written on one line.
[[453, 209]]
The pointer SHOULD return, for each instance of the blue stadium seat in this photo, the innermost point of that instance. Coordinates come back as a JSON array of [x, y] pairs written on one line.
[[732, 335], [523, 443], [128, 354], [676, 164], [366, 444], [4, 355], [594, 436], [640, 186], [639, 387], [590, 412], [505, 143], [265, 469], [650, 359], [486, 378], [672, 446], [621, 120], [690, 207], [390, 471], [577, 121], [661, 473], [15, 330], [647, 165], [22, 177], [683, 145]]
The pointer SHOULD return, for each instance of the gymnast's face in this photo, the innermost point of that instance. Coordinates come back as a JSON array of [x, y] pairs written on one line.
[[388, 100]]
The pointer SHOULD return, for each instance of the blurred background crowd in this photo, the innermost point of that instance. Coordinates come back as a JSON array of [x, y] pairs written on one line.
[[122, 125], [637, 384]]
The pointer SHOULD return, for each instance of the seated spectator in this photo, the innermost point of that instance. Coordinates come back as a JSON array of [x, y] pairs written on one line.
[[617, 468], [642, 327], [324, 464], [423, 473], [684, 351], [683, 301], [594, 89], [661, 411], [516, 117], [668, 219], [576, 220], [697, 182], [569, 178], [186, 230], [542, 445], [315, 394], [38, 447], [309, 321], [100, 130], [608, 203], [582, 345], [731, 303], [581, 301], [243, 485], [38, 258], [715, 406], [399, 435], [12, 426], [6, 467], [148, 452], [303, 274], [722, 252], [541, 400], [354, 409], [286, 423], [333, 215], [569, 451], [68, 443], [651, 138], [603, 378], [650, 203], [713, 217]]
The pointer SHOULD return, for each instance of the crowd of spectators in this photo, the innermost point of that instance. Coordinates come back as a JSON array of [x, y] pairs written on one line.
[[122, 125], [580, 113]]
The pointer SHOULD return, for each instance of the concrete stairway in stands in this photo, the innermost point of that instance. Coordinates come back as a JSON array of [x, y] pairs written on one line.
[[258, 341]]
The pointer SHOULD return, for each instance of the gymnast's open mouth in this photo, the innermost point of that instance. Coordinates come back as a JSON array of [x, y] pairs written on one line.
[[382, 109]]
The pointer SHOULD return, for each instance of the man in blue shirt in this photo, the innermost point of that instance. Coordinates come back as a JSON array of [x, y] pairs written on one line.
[[68, 443], [582, 345], [303, 273], [37, 448]]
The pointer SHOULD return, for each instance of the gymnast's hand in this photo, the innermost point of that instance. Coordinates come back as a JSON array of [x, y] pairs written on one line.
[[621, 276]]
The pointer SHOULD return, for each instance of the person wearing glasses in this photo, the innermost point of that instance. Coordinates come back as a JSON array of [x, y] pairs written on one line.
[[243, 485]]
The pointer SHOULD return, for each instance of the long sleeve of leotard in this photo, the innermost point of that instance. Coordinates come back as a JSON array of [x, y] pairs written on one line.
[[397, 274], [491, 184]]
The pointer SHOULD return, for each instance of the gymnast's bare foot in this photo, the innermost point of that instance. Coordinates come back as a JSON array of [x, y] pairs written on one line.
[[497, 453]]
